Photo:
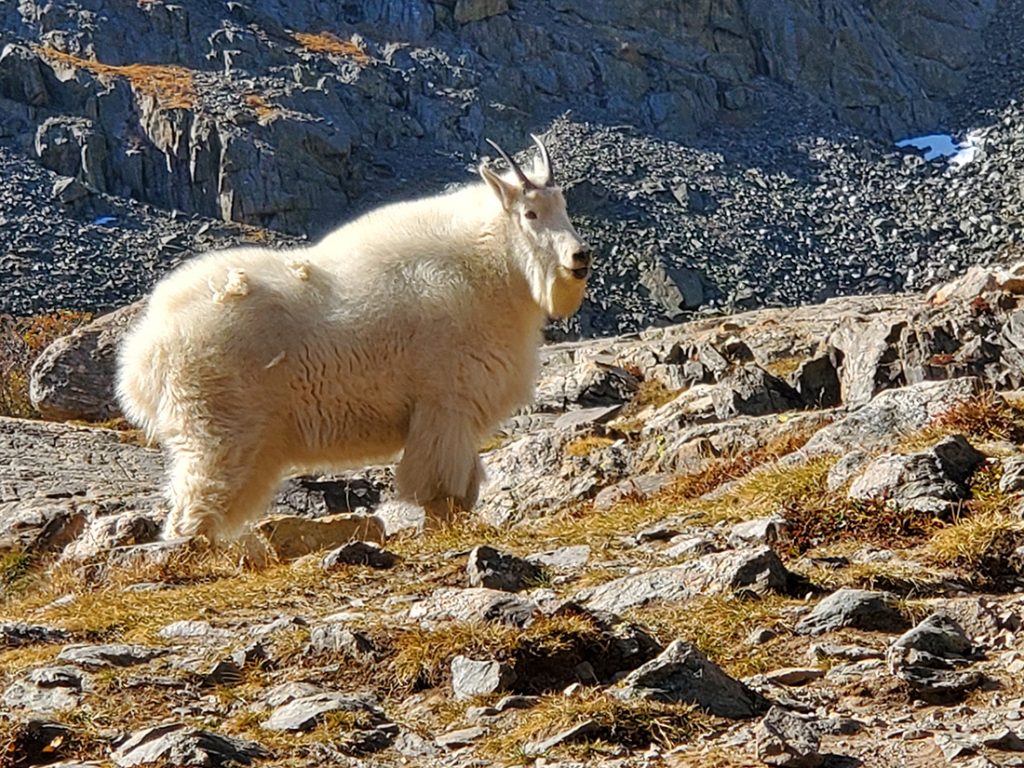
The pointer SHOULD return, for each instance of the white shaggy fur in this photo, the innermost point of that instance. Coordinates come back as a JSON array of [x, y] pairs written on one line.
[[414, 326]]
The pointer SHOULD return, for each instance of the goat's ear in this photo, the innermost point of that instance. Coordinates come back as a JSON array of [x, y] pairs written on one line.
[[506, 191]]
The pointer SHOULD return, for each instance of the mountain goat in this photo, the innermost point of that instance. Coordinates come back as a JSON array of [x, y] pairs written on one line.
[[415, 326]]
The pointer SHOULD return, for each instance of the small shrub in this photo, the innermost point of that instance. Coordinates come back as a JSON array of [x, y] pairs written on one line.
[[22, 340]]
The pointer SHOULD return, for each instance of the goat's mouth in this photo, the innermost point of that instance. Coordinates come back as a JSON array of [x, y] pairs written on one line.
[[580, 273]]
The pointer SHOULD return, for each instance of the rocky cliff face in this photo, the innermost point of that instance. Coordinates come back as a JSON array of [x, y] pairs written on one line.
[[292, 116]]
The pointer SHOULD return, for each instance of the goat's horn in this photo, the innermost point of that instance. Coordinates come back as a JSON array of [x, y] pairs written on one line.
[[523, 179], [549, 171]]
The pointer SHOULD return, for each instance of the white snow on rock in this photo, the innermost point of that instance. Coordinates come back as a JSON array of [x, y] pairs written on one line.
[[942, 145]]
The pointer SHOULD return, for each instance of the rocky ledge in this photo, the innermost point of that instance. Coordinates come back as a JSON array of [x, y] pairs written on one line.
[[791, 537]]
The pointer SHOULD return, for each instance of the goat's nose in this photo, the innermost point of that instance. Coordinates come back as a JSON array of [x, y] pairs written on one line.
[[582, 259]]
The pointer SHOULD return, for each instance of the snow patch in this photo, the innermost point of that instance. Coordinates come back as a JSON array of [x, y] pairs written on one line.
[[942, 145]]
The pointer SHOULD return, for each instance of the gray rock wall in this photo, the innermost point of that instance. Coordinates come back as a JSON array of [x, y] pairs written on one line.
[[278, 135]]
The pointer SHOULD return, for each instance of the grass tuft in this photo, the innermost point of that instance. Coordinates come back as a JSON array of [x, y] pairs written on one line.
[[584, 446], [544, 653], [616, 723], [326, 42], [719, 626], [171, 86]]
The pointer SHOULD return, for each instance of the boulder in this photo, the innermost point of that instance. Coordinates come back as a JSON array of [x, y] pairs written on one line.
[[855, 608], [682, 674], [493, 569], [73, 378]]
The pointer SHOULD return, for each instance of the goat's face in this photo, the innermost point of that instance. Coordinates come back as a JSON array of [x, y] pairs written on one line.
[[557, 261]]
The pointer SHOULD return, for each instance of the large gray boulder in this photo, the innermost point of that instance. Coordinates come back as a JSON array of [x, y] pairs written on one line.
[[73, 379]]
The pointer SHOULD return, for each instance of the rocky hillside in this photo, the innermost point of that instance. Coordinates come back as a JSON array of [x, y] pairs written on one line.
[[791, 537], [724, 155]]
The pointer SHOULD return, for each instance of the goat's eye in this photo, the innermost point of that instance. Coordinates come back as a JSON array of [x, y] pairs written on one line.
[[531, 215]]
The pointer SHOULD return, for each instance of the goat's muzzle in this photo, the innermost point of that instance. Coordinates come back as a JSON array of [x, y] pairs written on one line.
[[581, 263]]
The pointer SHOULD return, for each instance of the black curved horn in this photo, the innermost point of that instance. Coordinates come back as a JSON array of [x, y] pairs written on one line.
[[523, 179], [549, 170]]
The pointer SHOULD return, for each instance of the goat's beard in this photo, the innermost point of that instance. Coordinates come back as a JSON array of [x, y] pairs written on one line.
[[564, 295]]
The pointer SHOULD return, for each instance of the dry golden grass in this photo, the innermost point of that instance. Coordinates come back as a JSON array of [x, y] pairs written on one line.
[[987, 416], [761, 493], [171, 86], [584, 446], [326, 42], [784, 366], [719, 626], [421, 657], [200, 586], [971, 542], [902, 577], [265, 112], [631, 724]]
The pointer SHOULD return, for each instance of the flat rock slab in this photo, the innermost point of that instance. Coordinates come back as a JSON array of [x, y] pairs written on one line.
[[461, 738], [109, 656], [891, 414], [580, 732], [47, 690], [475, 604], [39, 458], [200, 631], [182, 745], [757, 569], [682, 674], [471, 677], [15, 633], [563, 558], [304, 713]]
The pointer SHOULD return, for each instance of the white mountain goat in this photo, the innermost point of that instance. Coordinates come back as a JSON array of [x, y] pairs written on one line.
[[415, 326]]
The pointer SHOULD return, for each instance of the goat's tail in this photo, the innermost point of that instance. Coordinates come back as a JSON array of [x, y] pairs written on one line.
[[142, 375]]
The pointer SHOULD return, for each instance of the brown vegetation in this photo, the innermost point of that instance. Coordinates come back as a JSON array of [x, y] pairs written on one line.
[[171, 86], [326, 42]]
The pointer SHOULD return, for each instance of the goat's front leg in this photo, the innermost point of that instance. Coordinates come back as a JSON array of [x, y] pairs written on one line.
[[440, 468]]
